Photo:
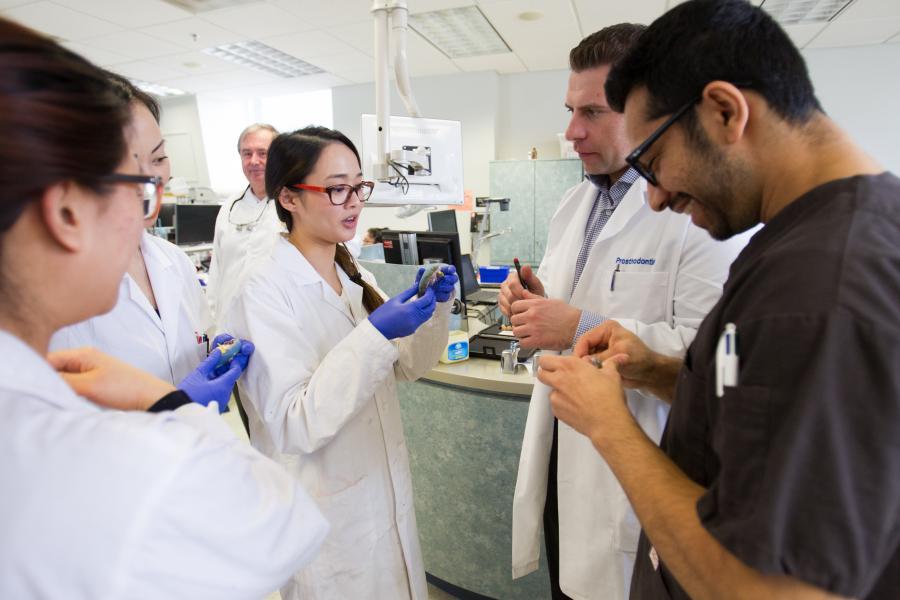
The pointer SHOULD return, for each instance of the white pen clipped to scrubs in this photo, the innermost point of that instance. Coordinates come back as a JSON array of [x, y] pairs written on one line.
[[320, 392]]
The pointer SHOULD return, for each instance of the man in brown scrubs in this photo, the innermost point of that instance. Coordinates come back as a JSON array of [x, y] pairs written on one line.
[[779, 471]]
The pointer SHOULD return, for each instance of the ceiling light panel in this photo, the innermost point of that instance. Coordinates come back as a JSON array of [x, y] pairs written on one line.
[[459, 32], [257, 56], [803, 12]]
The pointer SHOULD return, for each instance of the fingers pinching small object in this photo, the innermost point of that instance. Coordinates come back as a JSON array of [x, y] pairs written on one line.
[[596, 362]]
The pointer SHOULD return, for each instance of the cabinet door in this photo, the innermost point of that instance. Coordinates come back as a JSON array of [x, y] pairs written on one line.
[[513, 179], [552, 178]]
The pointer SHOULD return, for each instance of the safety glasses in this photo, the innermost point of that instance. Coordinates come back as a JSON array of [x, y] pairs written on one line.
[[634, 159], [339, 194], [151, 188]]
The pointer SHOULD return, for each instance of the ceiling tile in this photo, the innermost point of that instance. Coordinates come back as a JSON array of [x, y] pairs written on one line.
[[502, 63], [191, 63], [95, 55], [802, 35], [330, 13], [217, 81], [359, 76], [359, 35], [59, 21], [557, 31], [597, 14], [257, 20], [128, 13], [860, 32], [308, 45], [348, 61], [133, 44], [183, 33], [871, 9], [142, 70]]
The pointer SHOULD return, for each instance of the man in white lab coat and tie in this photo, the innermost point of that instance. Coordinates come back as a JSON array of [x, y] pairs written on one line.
[[609, 256]]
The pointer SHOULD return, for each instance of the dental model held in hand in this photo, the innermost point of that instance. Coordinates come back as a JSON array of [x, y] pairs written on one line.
[[431, 276]]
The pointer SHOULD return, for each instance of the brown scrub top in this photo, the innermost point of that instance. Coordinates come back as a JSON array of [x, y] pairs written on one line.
[[801, 459]]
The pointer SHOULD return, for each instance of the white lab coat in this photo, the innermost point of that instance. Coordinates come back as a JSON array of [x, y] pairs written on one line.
[[167, 344], [101, 504], [321, 397], [663, 303], [237, 249]]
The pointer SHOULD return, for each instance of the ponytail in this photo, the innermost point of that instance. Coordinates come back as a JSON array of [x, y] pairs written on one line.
[[371, 298]]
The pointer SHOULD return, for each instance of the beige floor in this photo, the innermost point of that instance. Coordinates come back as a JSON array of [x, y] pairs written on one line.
[[234, 421]]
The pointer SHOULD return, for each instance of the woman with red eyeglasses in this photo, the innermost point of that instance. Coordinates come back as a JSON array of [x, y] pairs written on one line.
[[321, 389]]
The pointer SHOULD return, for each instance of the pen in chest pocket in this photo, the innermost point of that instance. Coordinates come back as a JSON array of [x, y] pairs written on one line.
[[612, 283]]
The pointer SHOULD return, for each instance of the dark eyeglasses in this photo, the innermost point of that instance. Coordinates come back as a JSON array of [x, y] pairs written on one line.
[[151, 190], [339, 194], [634, 159]]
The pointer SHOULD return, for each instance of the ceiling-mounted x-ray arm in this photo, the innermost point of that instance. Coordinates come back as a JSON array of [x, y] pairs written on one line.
[[390, 29], [390, 26]]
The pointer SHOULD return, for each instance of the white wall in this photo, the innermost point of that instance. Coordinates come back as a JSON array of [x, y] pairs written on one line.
[[180, 124], [532, 113], [860, 89]]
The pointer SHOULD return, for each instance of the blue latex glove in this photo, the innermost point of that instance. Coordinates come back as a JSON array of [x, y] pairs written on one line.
[[443, 287], [220, 339], [398, 318], [203, 385]]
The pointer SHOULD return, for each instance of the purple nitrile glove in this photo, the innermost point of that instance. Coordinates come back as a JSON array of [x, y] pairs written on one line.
[[444, 287], [203, 385], [398, 318]]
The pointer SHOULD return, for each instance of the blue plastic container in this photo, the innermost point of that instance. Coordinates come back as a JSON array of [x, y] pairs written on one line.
[[493, 274]]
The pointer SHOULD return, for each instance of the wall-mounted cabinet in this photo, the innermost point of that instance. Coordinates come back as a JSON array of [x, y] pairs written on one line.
[[535, 188]]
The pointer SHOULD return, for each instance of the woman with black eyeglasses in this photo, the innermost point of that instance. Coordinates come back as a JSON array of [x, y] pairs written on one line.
[[321, 389], [115, 484], [161, 322]]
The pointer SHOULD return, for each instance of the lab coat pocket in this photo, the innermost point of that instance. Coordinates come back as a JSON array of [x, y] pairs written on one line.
[[639, 295]]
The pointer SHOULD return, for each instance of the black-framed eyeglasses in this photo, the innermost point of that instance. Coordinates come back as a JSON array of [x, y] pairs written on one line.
[[151, 188], [339, 194], [634, 159]]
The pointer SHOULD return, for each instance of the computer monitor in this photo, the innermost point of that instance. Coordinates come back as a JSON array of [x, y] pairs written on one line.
[[442, 220], [467, 280], [166, 216], [195, 223], [442, 246], [400, 247], [417, 247]]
